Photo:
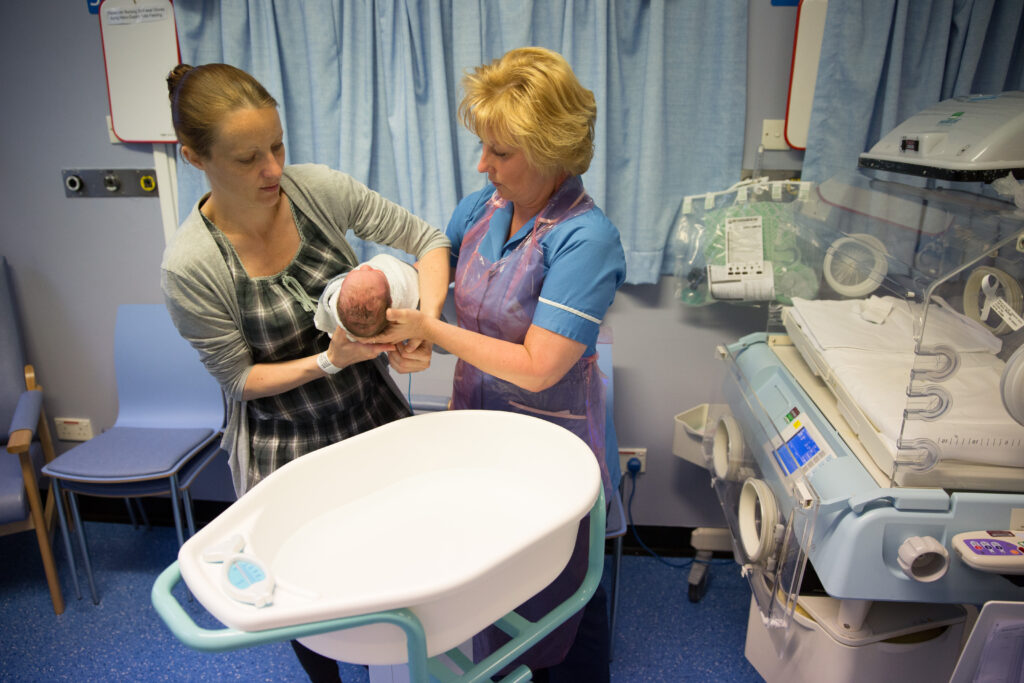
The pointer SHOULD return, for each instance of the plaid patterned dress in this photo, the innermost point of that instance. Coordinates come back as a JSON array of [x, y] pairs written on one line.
[[277, 323]]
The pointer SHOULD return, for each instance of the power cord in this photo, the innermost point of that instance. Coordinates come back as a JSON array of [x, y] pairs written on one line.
[[633, 468]]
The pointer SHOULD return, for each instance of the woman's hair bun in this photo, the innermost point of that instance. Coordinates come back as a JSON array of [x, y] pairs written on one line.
[[175, 77]]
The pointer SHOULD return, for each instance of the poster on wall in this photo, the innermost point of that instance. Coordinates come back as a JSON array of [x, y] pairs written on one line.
[[140, 47]]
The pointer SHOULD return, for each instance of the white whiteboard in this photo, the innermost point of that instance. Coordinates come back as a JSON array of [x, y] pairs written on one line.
[[140, 47], [810, 26]]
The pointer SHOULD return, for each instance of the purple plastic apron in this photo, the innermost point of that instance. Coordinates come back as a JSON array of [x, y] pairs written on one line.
[[498, 298]]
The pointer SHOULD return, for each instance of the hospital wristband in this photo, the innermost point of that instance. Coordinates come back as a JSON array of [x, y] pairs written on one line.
[[326, 365]]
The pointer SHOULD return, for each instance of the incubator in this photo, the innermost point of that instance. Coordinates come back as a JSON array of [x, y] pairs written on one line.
[[868, 452]]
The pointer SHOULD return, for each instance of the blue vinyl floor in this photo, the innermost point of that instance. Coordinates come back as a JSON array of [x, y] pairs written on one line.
[[660, 635]]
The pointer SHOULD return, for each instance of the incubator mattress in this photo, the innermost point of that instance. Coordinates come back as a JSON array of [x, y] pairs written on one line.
[[459, 516], [868, 366]]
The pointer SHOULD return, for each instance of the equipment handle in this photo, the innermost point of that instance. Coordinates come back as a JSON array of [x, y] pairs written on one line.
[[221, 640], [190, 633]]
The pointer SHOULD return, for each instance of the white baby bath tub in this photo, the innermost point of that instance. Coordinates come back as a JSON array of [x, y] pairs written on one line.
[[459, 516]]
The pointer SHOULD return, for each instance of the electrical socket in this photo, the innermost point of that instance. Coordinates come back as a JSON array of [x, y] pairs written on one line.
[[773, 134], [73, 428], [626, 453]]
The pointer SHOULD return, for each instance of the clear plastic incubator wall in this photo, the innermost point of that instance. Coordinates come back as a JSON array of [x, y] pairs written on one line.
[[875, 430]]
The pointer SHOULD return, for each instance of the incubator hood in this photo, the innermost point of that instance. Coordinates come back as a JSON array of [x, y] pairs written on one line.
[[974, 138], [915, 327]]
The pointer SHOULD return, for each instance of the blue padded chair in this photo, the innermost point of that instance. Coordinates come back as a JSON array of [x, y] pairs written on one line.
[[170, 417], [27, 440]]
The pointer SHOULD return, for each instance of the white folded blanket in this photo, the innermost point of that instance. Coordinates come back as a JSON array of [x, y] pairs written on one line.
[[872, 361], [848, 324]]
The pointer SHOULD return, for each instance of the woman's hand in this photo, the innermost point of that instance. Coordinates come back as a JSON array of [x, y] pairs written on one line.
[[343, 352], [270, 379]]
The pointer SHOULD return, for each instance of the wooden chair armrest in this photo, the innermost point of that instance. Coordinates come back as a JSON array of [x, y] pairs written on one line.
[[19, 441], [30, 378]]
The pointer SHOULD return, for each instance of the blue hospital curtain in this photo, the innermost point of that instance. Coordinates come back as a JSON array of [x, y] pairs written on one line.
[[371, 88], [882, 61]]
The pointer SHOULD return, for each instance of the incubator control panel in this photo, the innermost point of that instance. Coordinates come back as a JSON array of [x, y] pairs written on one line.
[[997, 551], [802, 446]]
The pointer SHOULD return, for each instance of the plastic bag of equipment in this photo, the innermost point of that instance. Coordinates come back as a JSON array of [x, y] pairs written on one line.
[[746, 244]]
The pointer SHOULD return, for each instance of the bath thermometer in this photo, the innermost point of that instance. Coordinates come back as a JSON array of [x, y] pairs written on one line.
[[245, 579]]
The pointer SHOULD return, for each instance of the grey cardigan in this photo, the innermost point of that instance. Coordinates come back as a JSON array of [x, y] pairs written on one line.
[[200, 294]]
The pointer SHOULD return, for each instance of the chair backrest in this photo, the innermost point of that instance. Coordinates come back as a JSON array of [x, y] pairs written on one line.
[[12, 350], [160, 379]]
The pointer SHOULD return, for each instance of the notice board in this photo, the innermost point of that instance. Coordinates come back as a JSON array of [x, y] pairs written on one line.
[[810, 28], [140, 47]]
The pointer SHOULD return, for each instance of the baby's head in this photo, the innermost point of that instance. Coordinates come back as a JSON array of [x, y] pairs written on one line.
[[363, 301]]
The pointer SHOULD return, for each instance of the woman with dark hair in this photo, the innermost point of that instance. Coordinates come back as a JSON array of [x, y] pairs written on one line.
[[242, 275]]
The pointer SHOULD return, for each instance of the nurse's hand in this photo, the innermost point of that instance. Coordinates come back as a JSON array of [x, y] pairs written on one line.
[[405, 330], [405, 324], [408, 358]]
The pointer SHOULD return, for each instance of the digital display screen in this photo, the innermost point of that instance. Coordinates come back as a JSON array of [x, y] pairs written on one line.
[[801, 448]]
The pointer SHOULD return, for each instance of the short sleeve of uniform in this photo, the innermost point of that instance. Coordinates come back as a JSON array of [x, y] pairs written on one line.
[[585, 265], [464, 217]]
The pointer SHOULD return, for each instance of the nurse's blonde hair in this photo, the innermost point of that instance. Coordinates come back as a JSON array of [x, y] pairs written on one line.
[[530, 99]]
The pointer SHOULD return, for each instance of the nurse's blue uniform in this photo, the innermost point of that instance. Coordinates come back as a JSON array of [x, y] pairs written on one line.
[[559, 272]]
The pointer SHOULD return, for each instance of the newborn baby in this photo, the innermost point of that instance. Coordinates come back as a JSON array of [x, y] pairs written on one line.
[[357, 301]]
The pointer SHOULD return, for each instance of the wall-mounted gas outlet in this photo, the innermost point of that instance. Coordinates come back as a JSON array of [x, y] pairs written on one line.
[[73, 428], [111, 182], [626, 453]]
